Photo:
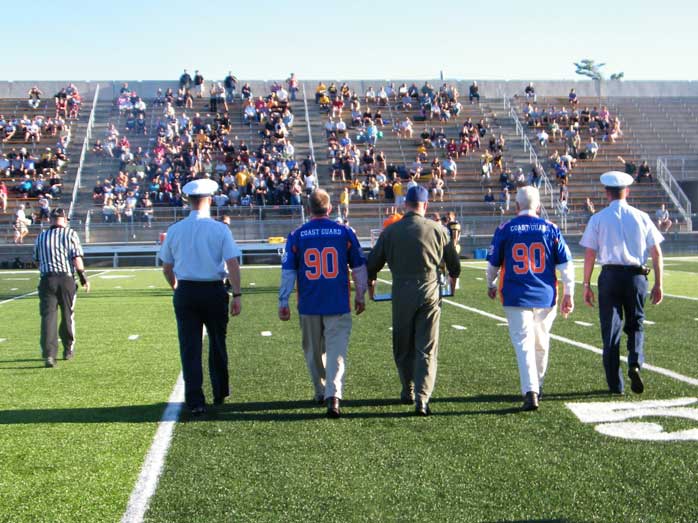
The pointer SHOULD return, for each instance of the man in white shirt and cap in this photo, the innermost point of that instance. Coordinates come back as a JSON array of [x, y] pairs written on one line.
[[198, 254], [621, 237]]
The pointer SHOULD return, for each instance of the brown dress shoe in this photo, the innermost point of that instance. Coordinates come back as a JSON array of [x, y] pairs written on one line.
[[333, 408], [421, 408], [530, 401]]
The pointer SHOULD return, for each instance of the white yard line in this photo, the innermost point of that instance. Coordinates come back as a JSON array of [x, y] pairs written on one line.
[[36, 292], [155, 460], [568, 341]]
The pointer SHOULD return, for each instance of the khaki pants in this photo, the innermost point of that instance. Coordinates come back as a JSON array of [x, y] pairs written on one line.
[[325, 345], [416, 315]]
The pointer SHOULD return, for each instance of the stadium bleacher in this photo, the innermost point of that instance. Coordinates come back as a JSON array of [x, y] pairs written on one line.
[[651, 127]]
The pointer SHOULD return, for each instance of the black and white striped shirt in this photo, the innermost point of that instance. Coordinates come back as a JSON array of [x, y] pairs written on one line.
[[55, 249]]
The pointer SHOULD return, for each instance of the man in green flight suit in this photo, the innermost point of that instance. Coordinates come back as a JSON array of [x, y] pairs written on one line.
[[413, 248]]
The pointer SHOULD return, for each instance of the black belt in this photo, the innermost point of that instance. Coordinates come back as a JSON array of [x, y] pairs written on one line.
[[207, 283], [56, 274], [633, 269]]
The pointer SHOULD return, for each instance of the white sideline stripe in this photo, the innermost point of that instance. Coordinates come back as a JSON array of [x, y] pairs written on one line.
[[585, 346], [133, 337], [583, 323], [677, 296], [648, 322], [14, 289], [459, 327], [155, 460], [36, 292], [3, 339]]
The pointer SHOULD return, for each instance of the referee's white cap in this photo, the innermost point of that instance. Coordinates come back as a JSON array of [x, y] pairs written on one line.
[[616, 179], [201, 187]]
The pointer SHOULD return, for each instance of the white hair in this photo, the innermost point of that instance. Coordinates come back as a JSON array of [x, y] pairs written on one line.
[[528, 198]]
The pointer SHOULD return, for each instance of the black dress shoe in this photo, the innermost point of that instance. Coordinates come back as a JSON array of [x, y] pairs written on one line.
[[219, 401], [198, 411], [50, 362], [421, 408], [636, 384], [68, 354], [407, 399], [333, 408], [530, 401]]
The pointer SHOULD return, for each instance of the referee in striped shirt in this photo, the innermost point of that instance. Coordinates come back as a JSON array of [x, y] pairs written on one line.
[[59, 254]]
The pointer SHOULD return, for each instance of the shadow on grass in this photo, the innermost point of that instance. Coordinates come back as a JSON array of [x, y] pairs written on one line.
[[269, 410], [125, 414]]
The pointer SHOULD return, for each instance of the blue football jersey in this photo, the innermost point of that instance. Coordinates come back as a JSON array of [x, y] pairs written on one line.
[[527, 248], [319, 252]]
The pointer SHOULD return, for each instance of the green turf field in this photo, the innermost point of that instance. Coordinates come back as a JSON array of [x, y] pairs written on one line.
[[73, 439]]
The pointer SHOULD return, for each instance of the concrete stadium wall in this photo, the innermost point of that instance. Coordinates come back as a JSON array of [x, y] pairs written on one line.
[[488, 88]]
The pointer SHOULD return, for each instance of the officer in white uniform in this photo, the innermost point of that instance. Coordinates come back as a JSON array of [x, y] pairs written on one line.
[[198, 254], [621, 237]]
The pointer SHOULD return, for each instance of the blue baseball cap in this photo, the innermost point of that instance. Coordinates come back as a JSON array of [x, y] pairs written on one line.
[[417, 194]]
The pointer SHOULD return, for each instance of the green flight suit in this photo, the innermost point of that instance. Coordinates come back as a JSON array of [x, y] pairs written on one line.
[[413, 248]]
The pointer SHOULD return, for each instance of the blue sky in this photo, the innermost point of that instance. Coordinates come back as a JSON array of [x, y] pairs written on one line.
[[262, 39]]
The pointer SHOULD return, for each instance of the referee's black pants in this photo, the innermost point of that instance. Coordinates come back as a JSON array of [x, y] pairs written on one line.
[[57, 291], [199, 304], [621, 308]]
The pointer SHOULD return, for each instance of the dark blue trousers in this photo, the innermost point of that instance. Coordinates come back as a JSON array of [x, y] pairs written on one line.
[[197, 304], [621, 294]]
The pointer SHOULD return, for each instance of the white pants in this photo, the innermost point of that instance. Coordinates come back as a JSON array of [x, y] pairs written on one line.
[[325, 344], [529, 330]]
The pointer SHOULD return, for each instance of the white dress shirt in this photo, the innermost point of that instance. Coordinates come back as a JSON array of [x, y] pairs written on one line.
[[621, 235], [199, 246]]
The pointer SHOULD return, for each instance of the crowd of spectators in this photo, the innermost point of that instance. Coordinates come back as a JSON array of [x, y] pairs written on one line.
[[260, 171]]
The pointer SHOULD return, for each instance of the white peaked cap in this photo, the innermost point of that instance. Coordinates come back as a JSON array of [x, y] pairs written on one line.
[[616, 179], [202, 187]]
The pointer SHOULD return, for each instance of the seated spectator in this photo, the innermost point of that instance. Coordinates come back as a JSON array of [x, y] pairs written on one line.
[[436, 187], [370, 95], [382, 97], [520, 178], [489, 199], [664, 222], [592, 149], [572, 98], [474, 92], [530, 92], [644, 172], [450, 168], [543, 137], [34, 95], [406, 129]]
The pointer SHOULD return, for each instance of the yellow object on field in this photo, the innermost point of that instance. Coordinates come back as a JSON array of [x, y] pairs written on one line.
[[276, 239]]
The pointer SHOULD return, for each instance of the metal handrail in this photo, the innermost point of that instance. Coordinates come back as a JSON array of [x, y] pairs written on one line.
[[83, 152], [310, 136], [675, 192], [532, 156]]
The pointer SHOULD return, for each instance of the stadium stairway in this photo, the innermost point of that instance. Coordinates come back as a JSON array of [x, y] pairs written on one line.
[[584, 180]]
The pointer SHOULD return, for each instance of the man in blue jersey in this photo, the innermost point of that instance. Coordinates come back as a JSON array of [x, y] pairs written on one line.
[[317, 255], [524, 254]]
